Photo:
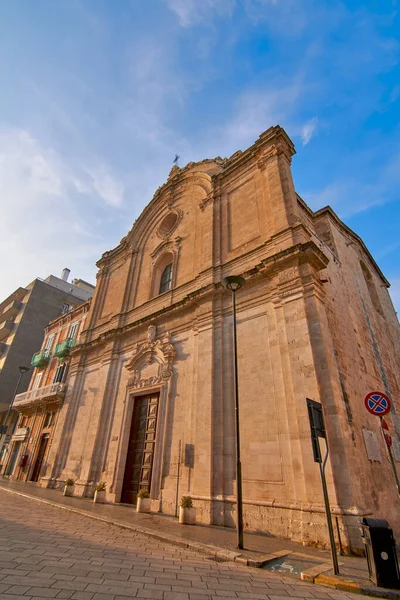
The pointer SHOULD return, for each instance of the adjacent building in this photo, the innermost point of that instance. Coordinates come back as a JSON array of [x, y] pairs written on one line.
[[39, 407], [23, 317], [151, 383]]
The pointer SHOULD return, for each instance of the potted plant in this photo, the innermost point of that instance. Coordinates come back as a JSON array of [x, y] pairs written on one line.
[[187, 514], [69, 487], [143, 501], [100, 492]]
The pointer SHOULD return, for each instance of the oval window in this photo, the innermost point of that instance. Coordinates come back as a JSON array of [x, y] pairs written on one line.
[[167, 224]]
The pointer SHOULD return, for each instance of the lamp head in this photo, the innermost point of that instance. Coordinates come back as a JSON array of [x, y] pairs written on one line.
[[23, 370], [233, 282]]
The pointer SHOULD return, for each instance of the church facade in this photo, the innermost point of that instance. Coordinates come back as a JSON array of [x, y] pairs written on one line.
[[151, 393]]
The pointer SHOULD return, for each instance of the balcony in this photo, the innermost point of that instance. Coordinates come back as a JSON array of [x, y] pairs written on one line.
[[41, 359], [5, 329], [63, 348], [48, 394], [10, 311]]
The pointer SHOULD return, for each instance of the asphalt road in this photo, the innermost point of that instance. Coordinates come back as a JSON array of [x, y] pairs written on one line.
[[47, 552]]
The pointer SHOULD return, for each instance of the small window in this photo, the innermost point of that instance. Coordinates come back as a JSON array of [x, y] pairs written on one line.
[[60, 373], [49, 342], [49, 420], [66, 308], [73, 331], [166, 279]]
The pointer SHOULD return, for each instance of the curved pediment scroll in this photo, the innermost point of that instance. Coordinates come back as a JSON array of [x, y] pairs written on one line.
[[152, 361]]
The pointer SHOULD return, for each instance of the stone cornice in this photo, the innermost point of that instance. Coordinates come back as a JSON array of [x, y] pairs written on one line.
[[110, 255], [330, 213], [300, 254], [273, 142], [69, 316]]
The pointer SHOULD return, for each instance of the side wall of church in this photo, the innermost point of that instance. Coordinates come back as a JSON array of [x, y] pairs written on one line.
[[365, 343]]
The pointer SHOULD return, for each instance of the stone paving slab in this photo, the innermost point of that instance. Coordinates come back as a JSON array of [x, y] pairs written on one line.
[[154, 569], [104, 567]]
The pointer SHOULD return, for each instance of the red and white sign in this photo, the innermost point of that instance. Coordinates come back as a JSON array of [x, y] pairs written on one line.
[[377, 404], [386, 434]]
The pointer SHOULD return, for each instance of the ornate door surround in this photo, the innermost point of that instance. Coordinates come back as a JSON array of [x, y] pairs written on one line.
[[151, 368]]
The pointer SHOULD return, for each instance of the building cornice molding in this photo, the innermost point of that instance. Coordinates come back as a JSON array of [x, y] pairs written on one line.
[[306, 253], [327, 211]]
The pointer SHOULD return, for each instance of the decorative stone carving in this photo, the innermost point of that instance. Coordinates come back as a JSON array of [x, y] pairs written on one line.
[[152, 361], [209, 199], [174, 172], [151, 333], [169, 246], [136, 382]]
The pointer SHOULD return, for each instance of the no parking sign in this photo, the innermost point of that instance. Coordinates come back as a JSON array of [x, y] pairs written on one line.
[[377, 404]]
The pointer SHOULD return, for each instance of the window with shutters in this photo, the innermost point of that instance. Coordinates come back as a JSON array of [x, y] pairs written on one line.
[[73, 331], [60, 373]]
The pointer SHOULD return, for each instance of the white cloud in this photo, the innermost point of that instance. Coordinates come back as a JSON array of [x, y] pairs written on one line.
[[45, 208], [308, 130], [192, 12], [349, 197], [256, 110], [109, 188], [23, 160]]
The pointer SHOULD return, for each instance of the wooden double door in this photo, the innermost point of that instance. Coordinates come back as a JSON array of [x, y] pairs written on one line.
[[142, 439], [40, 456]]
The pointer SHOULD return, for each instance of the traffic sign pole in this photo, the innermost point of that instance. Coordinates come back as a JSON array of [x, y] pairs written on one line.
[[379, 404], [317, 426], [391, 457]]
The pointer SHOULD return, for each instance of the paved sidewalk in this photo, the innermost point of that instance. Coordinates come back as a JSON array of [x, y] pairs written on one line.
[[281, 556], [46, 552]]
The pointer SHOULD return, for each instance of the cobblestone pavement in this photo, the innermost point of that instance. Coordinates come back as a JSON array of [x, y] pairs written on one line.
[[46, 552]]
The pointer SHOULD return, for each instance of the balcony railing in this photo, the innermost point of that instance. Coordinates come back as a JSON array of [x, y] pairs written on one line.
[[63, 348], [45, 395], [40, 359]]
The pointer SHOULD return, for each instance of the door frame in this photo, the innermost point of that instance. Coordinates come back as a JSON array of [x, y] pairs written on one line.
[[137, 398], [159, 447], [41, 437]]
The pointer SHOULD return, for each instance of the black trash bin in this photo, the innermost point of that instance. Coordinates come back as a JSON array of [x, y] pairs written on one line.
[[380, 548]]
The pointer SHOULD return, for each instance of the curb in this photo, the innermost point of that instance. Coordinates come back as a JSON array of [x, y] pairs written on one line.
[[217, 553], [347, 585], [265, 560], [316, 575], [311, 574]]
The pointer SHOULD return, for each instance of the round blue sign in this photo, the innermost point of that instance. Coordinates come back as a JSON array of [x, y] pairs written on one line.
[[377, 404]]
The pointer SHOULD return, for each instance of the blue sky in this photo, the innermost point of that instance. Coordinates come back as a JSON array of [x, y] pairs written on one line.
[[97, 96]]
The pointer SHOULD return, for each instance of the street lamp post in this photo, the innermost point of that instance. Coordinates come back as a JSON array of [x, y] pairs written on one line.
[[234, 283], [22, 371]]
